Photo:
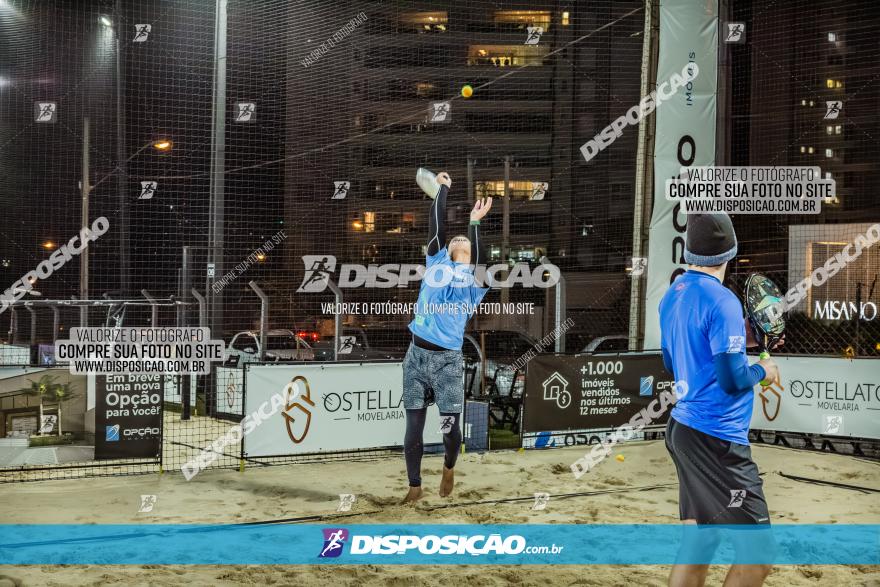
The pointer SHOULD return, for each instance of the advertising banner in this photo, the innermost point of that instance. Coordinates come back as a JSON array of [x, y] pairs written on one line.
[[329, 408], [229, 391], [560, 438], [128, 416], [684, 137], [580, 392], [822, 395]]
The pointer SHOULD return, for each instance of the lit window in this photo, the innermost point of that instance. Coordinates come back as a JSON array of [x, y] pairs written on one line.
[[829, 153], [827, 175], [565, 18], [523, 18], [829, 83], [838, 84], [369, 221], [812, 103], [832, 37], [424, 22], [507, 55], [829, 130], [495, 189], [810, 150], [838, 129], [803, 149], [803, 102], [423, 89]]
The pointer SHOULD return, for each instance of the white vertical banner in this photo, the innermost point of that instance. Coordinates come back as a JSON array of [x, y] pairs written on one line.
[[684, 137]]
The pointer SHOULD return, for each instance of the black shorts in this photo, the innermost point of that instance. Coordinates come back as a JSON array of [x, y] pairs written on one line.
[[718, 481]]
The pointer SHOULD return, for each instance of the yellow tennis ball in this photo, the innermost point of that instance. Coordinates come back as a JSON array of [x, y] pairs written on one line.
[[619, 458], [467, 91]]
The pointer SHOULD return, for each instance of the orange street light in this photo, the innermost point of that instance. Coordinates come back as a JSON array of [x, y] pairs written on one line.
[[163, 145], [48, 245]]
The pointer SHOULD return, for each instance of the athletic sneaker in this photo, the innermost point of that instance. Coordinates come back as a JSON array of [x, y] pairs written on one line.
[[428, 182]]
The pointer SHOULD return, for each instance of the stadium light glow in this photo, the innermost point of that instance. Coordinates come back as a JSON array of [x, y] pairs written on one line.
[[106, 21]]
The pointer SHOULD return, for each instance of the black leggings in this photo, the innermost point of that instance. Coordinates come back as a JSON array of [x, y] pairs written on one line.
[[413, 442]]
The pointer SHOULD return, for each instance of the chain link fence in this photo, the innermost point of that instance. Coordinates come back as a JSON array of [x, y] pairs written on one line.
[[228, 152]]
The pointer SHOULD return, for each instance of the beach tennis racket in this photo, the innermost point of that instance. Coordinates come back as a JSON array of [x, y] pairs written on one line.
[[760, 295]]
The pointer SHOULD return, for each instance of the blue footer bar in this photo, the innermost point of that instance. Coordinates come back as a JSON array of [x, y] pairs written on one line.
[[563, 544]]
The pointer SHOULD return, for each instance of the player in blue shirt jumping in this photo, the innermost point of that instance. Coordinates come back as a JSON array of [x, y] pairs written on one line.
[[704, 340], [433, 370]]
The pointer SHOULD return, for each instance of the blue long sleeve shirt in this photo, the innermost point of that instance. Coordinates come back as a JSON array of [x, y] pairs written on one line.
[[703, 340]]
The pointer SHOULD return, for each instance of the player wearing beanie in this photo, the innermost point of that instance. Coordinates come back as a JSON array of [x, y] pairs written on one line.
[[703, 341]]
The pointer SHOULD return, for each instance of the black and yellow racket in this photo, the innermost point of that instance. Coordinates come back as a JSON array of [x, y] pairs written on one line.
[[760, 295]]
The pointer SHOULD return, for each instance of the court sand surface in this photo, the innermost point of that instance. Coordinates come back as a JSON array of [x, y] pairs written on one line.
[[227, 496]]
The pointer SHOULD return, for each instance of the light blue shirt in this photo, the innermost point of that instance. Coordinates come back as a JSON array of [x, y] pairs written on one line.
[[447, 299]]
